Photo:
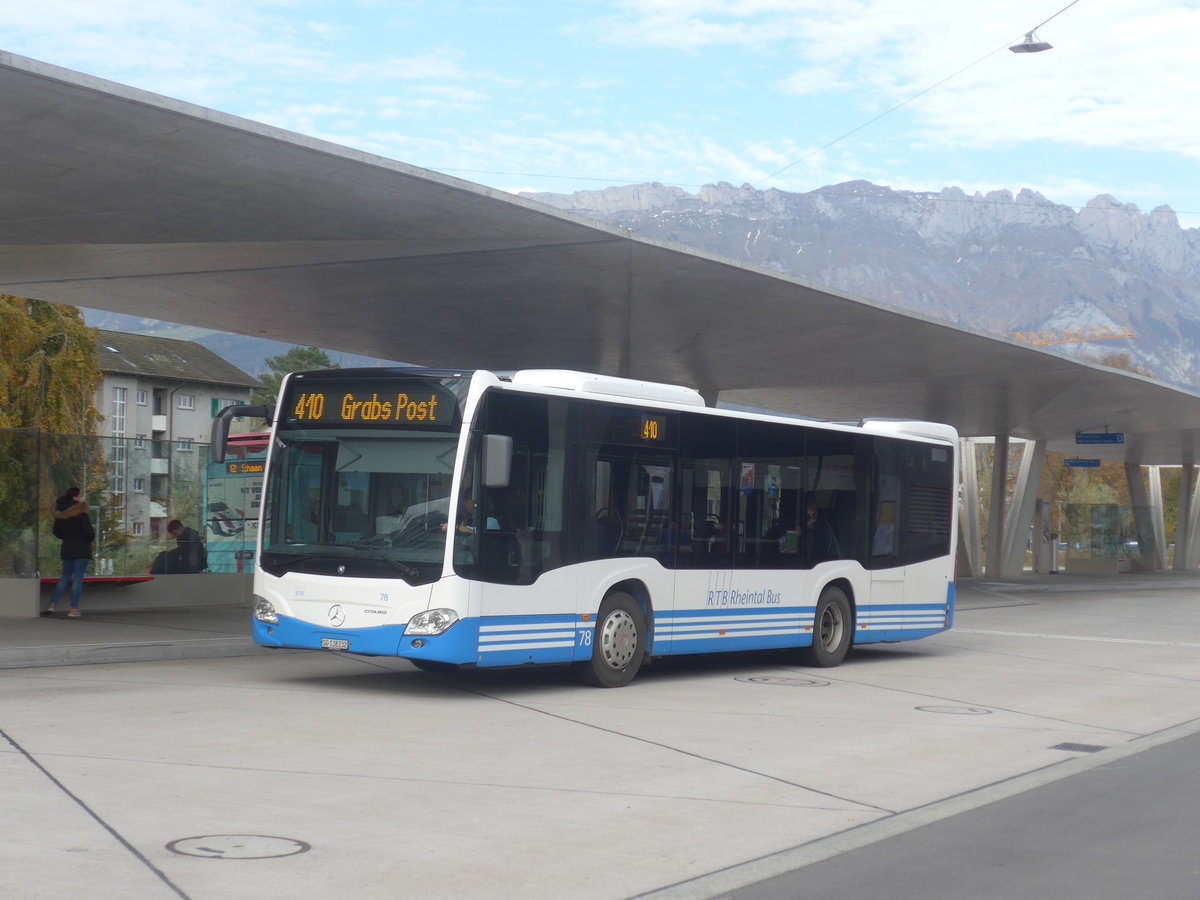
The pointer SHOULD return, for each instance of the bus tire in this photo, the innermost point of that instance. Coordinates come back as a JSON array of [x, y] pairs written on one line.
[[833, 629], [618, 643]]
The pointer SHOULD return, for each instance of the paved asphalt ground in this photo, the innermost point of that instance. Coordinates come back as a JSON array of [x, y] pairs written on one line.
[[1046, 747]]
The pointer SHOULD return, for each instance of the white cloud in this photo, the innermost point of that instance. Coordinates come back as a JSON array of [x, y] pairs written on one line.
[[1119, 76], [762, 88]]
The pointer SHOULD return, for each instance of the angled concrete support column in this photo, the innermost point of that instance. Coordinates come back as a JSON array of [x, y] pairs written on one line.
[[970, 534], [1016, 530], [995, 536], [1185, 527], [1154, 486], [1144, 518]]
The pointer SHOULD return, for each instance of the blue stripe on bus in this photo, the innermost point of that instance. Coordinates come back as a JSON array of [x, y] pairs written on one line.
[[899, 622], [516, 640], [713, 630]]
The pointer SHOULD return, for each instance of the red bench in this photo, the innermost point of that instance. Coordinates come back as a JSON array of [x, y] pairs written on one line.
[[107, 579]]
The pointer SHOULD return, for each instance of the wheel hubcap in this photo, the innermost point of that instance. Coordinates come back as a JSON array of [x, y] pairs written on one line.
[[618, 639], [832, 624]]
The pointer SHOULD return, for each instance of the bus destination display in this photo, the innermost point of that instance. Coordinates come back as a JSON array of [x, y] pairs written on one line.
[[371, 405], [245, 468], [628, 427]]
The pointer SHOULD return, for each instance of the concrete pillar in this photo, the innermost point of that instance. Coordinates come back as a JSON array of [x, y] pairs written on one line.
[[1016, 532], [1186, 532], [996, 517], [970, 535], [1154, 479], [1143, 518]]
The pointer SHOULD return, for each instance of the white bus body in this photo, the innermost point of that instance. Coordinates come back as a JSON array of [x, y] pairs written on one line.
[[459, 519]]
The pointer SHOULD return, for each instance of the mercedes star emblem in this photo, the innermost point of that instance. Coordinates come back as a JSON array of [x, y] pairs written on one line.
[[337, 616]]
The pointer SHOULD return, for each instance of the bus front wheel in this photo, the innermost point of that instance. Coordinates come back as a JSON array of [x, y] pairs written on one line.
[[833, 629], [618, 644]]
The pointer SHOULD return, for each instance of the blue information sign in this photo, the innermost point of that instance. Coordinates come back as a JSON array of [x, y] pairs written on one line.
[[1116, 437], [1081, 463]]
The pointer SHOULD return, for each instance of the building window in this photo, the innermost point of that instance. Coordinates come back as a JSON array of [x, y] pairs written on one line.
[[139, 485], [119, 395], [139, 442], [138, 529], [141, 398], [187, 401], [117, 468], [183, 444]]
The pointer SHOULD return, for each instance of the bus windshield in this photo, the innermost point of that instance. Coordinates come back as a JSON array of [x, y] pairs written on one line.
[[355, 499]]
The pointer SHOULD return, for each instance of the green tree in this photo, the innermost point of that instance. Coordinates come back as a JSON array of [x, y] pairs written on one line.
[[298, 359], [48, 372], [48, 378]]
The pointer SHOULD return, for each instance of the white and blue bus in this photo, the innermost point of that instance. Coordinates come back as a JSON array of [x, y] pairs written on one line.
[[551, 516], [232, 497]]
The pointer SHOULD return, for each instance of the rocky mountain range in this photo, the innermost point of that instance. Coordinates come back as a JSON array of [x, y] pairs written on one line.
[[993, 262]]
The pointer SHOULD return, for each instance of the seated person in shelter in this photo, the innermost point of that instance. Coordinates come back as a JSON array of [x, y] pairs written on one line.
[[188, 557]]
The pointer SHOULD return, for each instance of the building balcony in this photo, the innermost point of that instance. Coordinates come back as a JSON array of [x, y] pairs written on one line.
[[158, 423], [160, 466]]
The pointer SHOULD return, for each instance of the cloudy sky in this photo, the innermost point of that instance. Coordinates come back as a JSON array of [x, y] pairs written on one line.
[[581, 94]]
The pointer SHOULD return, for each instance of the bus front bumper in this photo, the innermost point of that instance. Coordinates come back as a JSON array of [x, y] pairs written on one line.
[[457, 645]]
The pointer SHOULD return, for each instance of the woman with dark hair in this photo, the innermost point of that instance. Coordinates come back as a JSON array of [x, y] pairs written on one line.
[[73, 527]]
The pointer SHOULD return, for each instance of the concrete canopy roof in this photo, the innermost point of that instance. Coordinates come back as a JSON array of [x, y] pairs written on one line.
[[122, 200]]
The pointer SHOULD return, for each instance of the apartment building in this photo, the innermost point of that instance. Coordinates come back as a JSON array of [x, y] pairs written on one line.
[[157, 400]]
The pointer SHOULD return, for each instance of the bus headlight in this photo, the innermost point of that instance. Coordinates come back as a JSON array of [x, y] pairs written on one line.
[[432, 621], [264, 611]]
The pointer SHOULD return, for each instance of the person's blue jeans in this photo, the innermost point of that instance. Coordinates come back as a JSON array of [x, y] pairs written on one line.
[[73, 571]]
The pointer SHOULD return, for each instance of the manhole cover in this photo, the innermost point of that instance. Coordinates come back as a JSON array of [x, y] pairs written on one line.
[[1079, 748], [956, 710], [238, 846], [783, 680]]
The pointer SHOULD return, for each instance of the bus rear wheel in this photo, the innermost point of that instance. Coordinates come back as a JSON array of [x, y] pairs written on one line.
[[618, 644], [833, 629]]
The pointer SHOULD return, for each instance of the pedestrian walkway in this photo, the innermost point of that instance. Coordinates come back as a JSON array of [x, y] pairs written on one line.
[[1045, 747], [132, 635]]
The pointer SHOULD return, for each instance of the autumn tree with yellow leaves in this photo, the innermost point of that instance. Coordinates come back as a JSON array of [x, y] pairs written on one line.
[[48, 378], [48, 371]]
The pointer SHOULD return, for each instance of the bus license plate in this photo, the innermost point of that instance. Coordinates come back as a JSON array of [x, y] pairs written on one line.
[[334, 644]]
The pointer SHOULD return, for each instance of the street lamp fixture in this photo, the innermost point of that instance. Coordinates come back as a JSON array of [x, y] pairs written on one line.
[[1031, 44]]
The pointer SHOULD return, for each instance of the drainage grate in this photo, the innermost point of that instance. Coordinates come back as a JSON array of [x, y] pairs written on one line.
[[782, 680], [238, 846], [1079, 748]]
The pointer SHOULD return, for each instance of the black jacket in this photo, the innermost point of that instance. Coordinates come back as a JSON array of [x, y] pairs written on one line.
[[191, 551], [74, 528]]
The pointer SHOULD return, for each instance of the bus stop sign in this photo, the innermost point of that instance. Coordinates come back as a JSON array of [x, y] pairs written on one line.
[[1083, 437]]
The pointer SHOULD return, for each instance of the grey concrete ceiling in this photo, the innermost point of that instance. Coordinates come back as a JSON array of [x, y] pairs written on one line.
[[121, 200]]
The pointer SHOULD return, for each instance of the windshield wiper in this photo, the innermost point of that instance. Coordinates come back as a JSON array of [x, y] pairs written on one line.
[[289, 563], [403, 568]]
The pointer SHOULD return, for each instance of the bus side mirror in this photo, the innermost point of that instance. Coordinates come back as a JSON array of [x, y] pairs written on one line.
[[497, 460], [220, 427]]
